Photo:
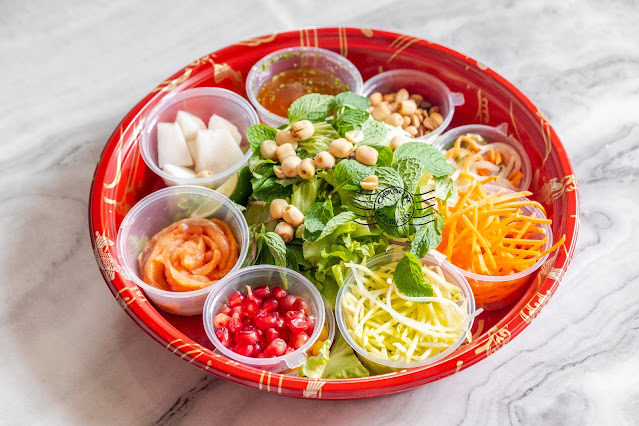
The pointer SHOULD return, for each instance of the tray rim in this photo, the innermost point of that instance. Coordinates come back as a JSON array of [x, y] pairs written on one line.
[[135, 305]]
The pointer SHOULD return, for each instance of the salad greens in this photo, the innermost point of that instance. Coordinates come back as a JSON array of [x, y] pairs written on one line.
[[340, 363]]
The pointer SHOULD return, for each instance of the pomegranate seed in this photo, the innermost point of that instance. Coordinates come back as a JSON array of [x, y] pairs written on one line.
[[279, 293], [297, 325], [269, 305], [225, 310], [284, 334], [301, 305], [276, 348], [235, 299], [287, 302], [247, 322], [271, 334], [297, 340], [235, 324], [262, 355], [265, 320], [290, 315], [262, 291], [257, 348], [222, 335], [280, 322], [244, 350], [246, 337], [232, 347], [311, 325], [288, 350], [238, 310], [221, 320]]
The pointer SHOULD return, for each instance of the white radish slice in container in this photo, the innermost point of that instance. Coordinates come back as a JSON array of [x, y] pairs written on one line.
[[178, 171], [190, 124], [218, 123], [172, 147], [216, 150]]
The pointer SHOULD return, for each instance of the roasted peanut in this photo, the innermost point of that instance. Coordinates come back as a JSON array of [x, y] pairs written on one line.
[[340, 148], [324, 160], [277, 208], [366, 155], [381, 111], [267, 149], [416, 97], [412, 130], [302, 130], [293, 216], [390, 97], [407, 121], [306, 169], [284, 151], [429, 123], [376, 98], [289, 166], [437, 118], [354, 136], [394, 119], [369, 182], [407, 107], [285, 231], [402, 95]]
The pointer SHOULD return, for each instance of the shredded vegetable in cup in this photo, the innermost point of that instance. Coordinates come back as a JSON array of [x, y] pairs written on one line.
[[399, 331]]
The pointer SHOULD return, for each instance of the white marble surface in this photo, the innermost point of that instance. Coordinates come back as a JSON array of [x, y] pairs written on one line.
[[70, 71]]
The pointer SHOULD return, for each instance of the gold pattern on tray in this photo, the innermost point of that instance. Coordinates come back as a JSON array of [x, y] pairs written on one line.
[[254, 42], [106, 262], [532, 309], [343, 43], [556, 274], [481, 66], [554, 189], [495, 342], [305, 38], [480, 329], [314, 388], [459, 366], [367, 32], [400, 44], [545, 134], [514, 123], [134, 294], [482, 116], [118, 164], [168, 85]]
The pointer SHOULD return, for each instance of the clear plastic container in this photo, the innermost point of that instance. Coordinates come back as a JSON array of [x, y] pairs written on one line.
[[380, 365], [417, 82], [272, 276], [491, 134], [510, 286], [298, 58], [202, 102], [159, 210]]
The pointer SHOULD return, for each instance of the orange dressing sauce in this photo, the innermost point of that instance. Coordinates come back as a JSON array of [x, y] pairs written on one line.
[[280, 91]]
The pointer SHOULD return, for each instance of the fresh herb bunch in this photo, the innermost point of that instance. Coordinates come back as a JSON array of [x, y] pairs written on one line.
[[340, 218]]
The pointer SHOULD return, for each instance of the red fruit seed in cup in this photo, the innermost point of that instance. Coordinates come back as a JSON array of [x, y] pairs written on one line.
[[271, 334], [221, 320], [298, 340], [262, 291], [225, 310], [235, 324], [279, 293], [297, 325], [301, 305], [276, 348], [269, 305], [235, 299], [286, 303], [247, 337], [266, 320], [290, 315], [311, 325], [222, 335], [244, 350]]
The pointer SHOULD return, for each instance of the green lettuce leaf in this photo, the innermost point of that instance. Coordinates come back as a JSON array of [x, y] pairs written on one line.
[[313, 107], [258, 133], [315, 365], [343, 363]]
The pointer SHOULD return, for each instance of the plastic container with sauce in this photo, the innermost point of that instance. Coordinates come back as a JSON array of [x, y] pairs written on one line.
[[417, 82], [202, 102], [380, 365], [273, 276], [509, 287], [298, 58], [159, 210], [491, 134]]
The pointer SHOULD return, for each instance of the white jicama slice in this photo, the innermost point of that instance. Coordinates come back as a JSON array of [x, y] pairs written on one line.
[[218, 123], [172, 147], [179, 171], [190, 124], [216, 150]]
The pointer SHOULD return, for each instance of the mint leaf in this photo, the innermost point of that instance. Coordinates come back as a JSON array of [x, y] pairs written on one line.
[[313, 107], [352, 100], [385, 155], [258, 133], [411, 172], [388, 178], [349, 173], [428, 235], [318, 215], [269, 188], [349, 119], [431, 159], [275, 246], [374, 132], [445, 188], [336, 222], [409, 278]]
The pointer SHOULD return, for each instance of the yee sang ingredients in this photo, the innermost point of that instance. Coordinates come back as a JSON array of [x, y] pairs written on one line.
[[473, 155], [280, 91], [411, 112], [264, 323], [188, 149], [392, 326], [189, 255], [489, 233]]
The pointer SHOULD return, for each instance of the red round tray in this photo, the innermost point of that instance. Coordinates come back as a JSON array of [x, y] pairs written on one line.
[[121, 179]]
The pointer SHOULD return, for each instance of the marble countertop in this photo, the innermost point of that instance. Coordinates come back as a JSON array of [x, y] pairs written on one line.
[[70, 72]]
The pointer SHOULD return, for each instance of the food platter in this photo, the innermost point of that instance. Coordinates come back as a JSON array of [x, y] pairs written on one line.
[[122, 179]]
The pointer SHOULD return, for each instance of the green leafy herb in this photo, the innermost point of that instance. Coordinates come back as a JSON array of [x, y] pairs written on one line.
[[374, 132], [445, 188], [305, 193], [385, 155], [410, 171], [276, 247], [431, 159], [352, 100], [343, 363], [269, 188], [409, 277], [313, 107], [322, 137], [318, 215], [350, 119], [258, 133], [428, 235], [349, 173], [339, 220], [243, 189]]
